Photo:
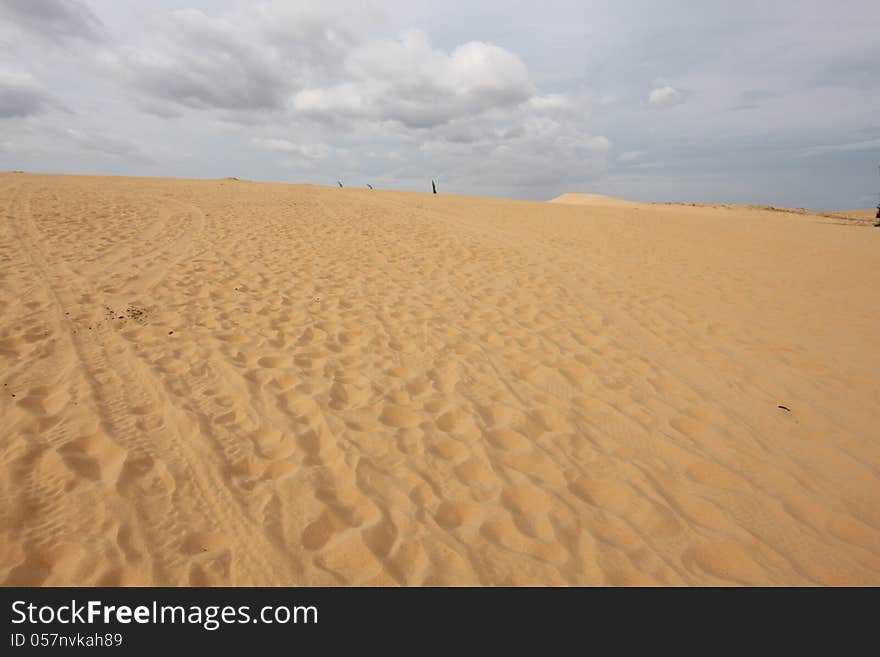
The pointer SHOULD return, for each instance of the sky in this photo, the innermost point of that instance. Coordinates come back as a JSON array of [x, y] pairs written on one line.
[[712, 102]]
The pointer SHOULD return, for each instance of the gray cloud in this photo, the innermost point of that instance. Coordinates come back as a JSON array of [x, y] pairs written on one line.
[[33, 144], [307, 151], [53, 20], [866, 145], [21, 96], [101, 143], [204, 63]]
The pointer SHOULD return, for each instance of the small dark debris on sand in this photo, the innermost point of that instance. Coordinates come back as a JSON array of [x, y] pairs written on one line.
[[784, 408], [131, 312], [135, 313]]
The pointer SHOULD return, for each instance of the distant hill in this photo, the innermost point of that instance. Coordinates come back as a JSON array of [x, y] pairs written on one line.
[[589, 199]]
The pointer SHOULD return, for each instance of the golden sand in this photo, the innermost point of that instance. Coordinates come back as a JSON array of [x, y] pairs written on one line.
[[226, 382]]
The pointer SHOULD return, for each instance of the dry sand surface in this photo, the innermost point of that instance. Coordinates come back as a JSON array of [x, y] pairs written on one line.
[[591, 199], [225, 382]]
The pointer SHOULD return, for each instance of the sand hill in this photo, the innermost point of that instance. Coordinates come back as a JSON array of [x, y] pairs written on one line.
[[227, 382], [590, 199]]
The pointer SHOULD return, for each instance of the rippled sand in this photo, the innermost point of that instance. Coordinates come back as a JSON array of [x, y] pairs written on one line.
[[225, 382]]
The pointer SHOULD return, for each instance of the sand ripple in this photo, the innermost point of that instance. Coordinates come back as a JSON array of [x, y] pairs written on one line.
[[222, 382]]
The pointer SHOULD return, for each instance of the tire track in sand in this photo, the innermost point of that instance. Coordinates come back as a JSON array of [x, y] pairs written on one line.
[[159, 476]]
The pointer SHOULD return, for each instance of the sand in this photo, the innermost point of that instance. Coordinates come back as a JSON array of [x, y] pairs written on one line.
[[226, 382], [592, 199]]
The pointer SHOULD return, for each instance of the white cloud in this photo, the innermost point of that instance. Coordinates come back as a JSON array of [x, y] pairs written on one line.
[[555, 104], [407, 81], [665, 96]]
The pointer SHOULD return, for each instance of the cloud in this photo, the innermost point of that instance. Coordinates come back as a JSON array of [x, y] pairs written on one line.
[[307, 151], [44, 138], [630, 156], [598, 144], [274, 59], [557, 104], [53, 20], [517, 149], [100, 143], [313, 74], [204, 63], [242, 62], [21, 96], [847, 147], [407, 81], [753, 105], [665, 96]]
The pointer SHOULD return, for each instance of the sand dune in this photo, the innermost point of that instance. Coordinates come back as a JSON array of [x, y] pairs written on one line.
[[590, 199], [227, 382]]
